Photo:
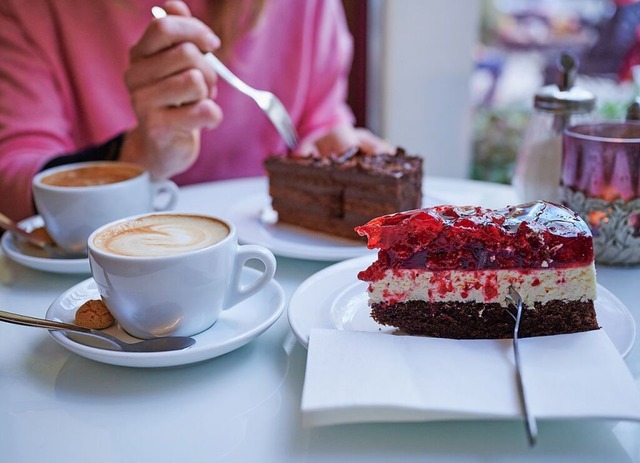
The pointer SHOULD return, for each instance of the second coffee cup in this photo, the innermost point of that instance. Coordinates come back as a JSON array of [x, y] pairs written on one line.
[[172, 274], [75, 199]]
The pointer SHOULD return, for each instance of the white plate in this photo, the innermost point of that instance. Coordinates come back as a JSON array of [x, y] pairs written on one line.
[[335, 298], [235, 327], [252, 215], [35, 258]]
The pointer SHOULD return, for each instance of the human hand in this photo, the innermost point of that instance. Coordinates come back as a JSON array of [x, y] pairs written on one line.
[[342, 138], [172, 89]]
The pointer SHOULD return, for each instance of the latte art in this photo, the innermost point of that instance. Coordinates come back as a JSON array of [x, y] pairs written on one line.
[[161, 235]]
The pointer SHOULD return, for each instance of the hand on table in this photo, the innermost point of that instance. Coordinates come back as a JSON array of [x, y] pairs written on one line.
[[172, 89]]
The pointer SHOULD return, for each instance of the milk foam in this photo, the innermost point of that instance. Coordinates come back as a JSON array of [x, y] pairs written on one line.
[[161, 235]]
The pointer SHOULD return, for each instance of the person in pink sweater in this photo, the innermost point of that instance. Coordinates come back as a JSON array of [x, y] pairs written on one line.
[[88, 80]]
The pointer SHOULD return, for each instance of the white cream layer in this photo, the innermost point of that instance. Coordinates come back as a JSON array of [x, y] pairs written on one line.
[[486, 286]]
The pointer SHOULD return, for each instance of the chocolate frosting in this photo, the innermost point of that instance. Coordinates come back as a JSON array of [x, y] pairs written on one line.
[[390, 165]]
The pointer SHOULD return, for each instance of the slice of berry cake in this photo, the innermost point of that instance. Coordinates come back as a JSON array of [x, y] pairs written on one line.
[[445, 271]]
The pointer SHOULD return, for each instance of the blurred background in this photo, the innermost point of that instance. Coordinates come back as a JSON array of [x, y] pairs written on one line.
[[454, 80]]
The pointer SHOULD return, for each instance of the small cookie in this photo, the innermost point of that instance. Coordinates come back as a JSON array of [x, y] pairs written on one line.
[[94, 314], [42, 234]]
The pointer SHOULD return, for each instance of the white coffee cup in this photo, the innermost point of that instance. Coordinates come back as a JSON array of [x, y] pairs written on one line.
[[172, 274], [75, 199]]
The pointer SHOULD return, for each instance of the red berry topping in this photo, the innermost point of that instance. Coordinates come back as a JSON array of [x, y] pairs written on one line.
[[532, 235]]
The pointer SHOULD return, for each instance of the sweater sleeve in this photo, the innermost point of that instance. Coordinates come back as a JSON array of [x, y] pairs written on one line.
[[33, 122]]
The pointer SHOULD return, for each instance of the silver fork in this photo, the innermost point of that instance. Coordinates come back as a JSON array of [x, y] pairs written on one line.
[[267, 101], [515, 301]]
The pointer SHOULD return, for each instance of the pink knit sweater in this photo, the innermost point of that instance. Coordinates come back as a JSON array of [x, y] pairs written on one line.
[[62, 87]]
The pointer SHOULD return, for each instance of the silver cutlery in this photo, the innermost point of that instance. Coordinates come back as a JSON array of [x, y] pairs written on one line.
[[267, 101], [51, 249], [515, 302], [161, 344]]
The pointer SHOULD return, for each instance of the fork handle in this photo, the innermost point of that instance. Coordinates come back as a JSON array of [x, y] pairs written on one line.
[[224, 72], [220, 68]]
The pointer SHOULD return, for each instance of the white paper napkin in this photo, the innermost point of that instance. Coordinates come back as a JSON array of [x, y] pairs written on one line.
[[356, 376]]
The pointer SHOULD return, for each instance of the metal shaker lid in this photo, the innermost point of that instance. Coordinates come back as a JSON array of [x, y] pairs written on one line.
[[564, 97]]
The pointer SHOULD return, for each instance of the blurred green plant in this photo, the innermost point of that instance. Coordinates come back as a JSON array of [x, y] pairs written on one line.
[[497, 137], [613, 110]]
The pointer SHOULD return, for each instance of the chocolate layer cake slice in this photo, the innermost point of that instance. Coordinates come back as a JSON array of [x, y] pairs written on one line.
[[337, 193], [445, 271]]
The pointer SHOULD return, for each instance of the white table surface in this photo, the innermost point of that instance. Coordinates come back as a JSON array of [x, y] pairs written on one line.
[[245, 406]]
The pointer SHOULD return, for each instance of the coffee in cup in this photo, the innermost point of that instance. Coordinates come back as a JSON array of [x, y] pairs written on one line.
[[172, 274], [95, 174], [75, 199]]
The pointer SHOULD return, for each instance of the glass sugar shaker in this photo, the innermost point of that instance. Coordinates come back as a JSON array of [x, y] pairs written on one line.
[[539, 161]]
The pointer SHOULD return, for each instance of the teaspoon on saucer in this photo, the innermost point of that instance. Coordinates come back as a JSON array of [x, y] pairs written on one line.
[[110, 342], [49, 247]]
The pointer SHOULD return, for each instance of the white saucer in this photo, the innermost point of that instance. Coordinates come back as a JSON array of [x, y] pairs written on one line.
[[235, 327], [35, 258], [335, 298]]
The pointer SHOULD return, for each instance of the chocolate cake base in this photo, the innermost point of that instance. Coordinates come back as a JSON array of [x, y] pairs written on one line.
[[471, 320]]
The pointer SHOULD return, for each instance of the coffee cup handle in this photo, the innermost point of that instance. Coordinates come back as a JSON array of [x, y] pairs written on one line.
[[166, 187], [239, 292]]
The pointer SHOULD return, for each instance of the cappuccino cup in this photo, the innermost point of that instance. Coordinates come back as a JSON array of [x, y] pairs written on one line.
[[172, 274], [75, 199]]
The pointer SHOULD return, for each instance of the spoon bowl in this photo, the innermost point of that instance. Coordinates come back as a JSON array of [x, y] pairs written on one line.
[[104, 340]]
